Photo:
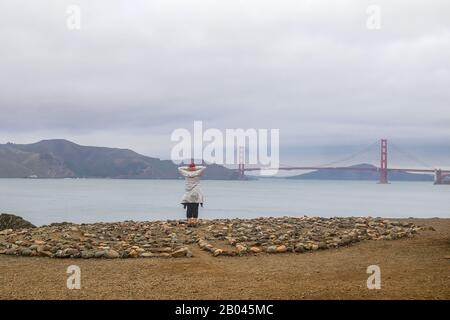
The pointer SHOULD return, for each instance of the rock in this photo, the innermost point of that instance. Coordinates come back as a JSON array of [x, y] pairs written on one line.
[[89, 235], [6, 232], [10, 221], [202, 244], [147, 255], [217, 252], [59, 224], [255, 250], [281, 249], [241, 249], [85, 254], [99, 253], [46, 254], [323, 245], [71, 252], [111, 254], [133, 254], [271, 249], [11, 251], [26, 252], [123, 254], [180, 252], [299, 247], [61, 254]]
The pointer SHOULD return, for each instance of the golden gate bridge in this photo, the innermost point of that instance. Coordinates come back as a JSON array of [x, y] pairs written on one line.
[[383, 169]]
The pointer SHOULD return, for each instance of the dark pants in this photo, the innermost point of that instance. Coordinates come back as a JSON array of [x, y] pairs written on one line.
[[192, 210]]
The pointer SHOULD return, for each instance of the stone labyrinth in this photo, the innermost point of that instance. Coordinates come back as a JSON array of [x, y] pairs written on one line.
[[174, 239]]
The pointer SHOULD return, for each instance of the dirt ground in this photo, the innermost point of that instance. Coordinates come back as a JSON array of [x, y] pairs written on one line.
[[413, 268]]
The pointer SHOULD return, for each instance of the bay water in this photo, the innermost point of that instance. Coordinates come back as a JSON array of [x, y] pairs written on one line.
[[43, 201]]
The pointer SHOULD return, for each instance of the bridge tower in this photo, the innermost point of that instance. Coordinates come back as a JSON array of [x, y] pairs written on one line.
[[438, 178], [241, 161], [383, 162]]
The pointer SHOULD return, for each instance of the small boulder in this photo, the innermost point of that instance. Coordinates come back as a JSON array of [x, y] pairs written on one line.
[[255, 250], [241, 249], [26, 252], [182, 252], [133, 254], [87, 254], [300, 247], [111, 254], [147, 255], [99, 253], [6, 232], [271, 249], [45, 254]]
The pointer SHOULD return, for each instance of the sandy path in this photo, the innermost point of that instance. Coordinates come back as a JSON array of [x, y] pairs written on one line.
[[410, 269]]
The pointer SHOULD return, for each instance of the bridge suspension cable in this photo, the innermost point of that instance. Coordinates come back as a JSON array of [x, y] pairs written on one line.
[[410, 156], [352, 156]]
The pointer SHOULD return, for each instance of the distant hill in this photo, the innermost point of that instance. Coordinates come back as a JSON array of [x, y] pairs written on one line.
[[327, 174], [64, 159]]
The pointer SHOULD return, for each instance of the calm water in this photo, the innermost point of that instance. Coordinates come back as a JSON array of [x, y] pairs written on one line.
[[91, 200]]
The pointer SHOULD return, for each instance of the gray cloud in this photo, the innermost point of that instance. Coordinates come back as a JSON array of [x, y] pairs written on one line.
[[134, 73]]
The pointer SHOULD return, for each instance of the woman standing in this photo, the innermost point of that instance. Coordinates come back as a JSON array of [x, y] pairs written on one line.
[[193, 195]]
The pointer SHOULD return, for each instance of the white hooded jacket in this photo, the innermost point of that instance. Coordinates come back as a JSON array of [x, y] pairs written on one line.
[[192, 194]]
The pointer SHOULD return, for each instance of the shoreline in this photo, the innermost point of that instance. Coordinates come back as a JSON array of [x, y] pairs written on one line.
[[411, 268]]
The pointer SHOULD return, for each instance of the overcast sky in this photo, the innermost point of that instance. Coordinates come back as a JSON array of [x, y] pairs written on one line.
[[138, 70]]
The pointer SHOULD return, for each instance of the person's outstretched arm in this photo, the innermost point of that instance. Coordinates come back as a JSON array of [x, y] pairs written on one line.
[[185, 171], [200, 169]]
